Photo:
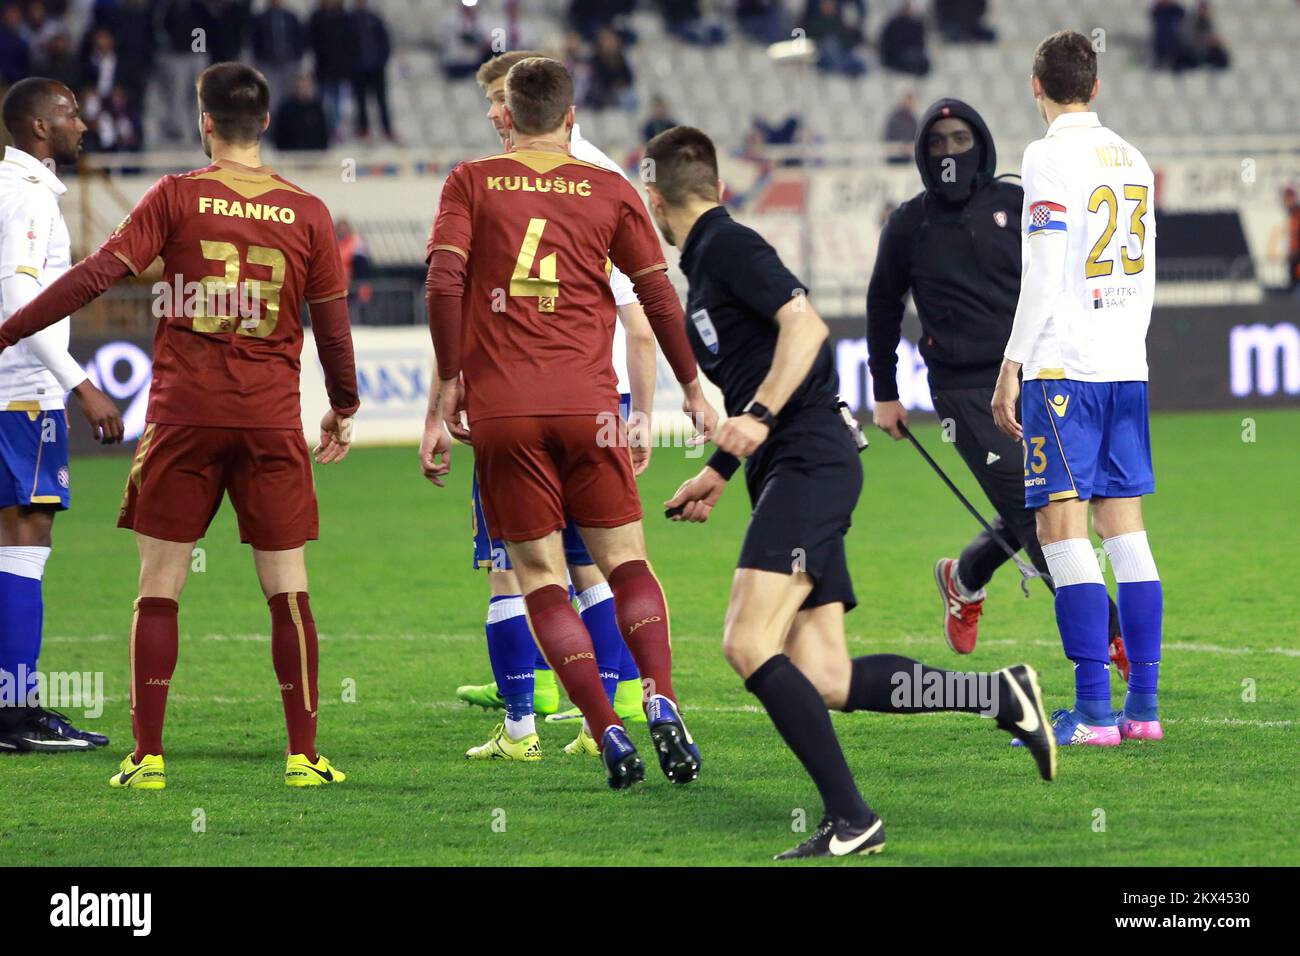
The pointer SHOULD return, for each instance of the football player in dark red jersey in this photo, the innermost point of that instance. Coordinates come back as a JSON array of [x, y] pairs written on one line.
[[520, 244], [241, 248]]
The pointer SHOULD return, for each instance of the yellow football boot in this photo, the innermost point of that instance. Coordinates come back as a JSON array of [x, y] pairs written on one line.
[[501, 747], [301, 772], [148, 774]]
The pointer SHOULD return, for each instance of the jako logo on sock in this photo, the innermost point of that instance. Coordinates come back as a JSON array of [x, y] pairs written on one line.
[[581, 656], [648, 620]]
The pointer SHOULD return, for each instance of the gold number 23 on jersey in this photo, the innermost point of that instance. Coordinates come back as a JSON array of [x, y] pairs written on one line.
[[1105, 196], [222, 307], [546, 287]]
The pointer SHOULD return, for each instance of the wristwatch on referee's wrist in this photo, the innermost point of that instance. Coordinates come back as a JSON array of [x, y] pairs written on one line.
[[761, 412]]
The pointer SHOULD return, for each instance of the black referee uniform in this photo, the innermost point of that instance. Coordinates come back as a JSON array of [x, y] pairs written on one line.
[[804, 480]]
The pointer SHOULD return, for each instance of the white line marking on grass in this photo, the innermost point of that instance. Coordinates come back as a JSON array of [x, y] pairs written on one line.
[[855, 639]]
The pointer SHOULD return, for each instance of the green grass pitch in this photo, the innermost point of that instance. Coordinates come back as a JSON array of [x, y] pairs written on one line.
[[401, 618]]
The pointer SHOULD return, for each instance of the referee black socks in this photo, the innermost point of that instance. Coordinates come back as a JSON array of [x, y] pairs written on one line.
[[801, 718], [893, 684]]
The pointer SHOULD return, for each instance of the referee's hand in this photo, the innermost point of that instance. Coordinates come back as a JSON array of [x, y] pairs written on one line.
[[888, 416], [697, 496]]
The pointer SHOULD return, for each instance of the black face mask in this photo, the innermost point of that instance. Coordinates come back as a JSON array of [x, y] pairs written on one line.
[[953, 177]]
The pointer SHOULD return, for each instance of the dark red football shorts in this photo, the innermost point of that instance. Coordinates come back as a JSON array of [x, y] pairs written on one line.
[[181, 472], [532, 470]]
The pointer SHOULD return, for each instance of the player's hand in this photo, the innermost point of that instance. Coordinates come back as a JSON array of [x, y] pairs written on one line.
[[697, 496], [740, 435], [450, 404], [639, 440], [335, 439], [435, 451], [1006, 396], [700, 412], [888, 416], [102, 413]]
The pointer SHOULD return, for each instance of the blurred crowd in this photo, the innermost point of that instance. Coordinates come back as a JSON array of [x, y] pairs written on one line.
[[126, 59]]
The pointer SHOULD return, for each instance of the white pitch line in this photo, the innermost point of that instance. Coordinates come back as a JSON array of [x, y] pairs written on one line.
[[686, 709], [856, 640]]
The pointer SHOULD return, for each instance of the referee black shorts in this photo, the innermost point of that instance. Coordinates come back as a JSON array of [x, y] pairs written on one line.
[[804, 483]]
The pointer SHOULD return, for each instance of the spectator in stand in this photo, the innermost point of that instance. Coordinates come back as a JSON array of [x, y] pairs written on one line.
[[352, 250], [465, 43], [900, 130], [278, 46], [611, 74], [833, 27], [102, 66], [370, 68], [300, 121], [1291, 202], [902, 42], [330, 35], [763, 21], [658, 120], [1207, 46], [61, 62], [961, 21], [589, 17], [15, 55], [175, 22], [114, 122], [131, 22], [38, 30], [1168, 47], [231, 20], [684, 20]]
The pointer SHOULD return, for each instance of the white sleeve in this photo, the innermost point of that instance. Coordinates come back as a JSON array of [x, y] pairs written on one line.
[[1046, 246], [25, 227], [24, 240], [621, 285]]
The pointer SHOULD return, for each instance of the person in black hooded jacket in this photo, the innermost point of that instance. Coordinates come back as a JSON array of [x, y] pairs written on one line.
[[956, 247]]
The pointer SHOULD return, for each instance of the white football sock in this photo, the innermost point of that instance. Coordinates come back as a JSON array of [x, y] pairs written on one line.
[[1130, 556]]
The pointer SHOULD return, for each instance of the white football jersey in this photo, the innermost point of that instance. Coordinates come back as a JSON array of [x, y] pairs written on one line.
[[620, 284], [1085, 317], [34, 251]]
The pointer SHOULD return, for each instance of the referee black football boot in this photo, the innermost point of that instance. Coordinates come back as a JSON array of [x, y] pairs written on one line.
[[623, 765], [679, 758], [836, 837], [1023, 716]]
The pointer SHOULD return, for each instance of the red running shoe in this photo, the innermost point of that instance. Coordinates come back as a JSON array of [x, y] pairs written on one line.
[[961, 616], [1118, 657]]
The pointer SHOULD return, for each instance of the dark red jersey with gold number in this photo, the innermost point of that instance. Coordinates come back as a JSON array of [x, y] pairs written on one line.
[[242, 248], [538, 229]]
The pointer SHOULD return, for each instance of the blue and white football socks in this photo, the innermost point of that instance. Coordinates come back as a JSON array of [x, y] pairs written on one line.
[[596, 606], [22, 614], [1083, 616], [512, 651], [1141, 609]]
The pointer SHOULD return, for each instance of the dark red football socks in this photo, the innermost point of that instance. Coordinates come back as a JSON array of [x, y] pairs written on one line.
[[155, 642], [567, 646], [294, 653], [643, 619]]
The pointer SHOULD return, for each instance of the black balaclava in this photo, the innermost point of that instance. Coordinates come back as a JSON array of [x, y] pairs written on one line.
[[953, 177]]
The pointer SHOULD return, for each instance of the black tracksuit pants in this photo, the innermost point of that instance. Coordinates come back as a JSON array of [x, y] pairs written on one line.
[[997, 462]]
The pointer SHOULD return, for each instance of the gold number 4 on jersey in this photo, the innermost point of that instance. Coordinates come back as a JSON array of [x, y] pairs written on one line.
[[546, 287]]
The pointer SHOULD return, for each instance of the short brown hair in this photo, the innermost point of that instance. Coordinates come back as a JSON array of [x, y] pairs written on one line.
[[237, 98], [539, 91], [685, 165], [1066, 67], [497, 67]]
